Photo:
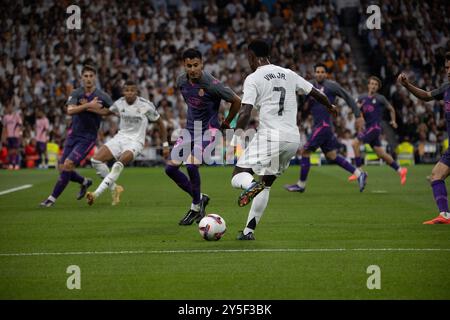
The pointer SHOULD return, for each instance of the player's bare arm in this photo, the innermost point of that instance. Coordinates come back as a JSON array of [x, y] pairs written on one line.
[[244, 116], [234, 109], [393, 122], [165, 143], [321, 98], [419, 93]]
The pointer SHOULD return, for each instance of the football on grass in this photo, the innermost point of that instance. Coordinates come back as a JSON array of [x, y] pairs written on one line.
[[212, 227]]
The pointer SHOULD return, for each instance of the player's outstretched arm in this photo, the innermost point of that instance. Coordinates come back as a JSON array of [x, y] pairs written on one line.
[[419, 93], [323, 99]]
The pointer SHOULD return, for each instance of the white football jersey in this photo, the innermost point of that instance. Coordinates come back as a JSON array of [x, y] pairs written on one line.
[[134, 118], [272, 90]]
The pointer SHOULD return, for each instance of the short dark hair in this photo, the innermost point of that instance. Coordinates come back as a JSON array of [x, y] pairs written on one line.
[[192, 54], [130, 83], [260, 48], [447, 56], [320, 65], [376, 79], [88, 67]]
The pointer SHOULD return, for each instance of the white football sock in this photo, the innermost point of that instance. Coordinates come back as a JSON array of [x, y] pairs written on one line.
[[195, 207], [102, 170], [446, 215], [301, 184], [357, 172], [242, 180], [259, 204], [110, 179]]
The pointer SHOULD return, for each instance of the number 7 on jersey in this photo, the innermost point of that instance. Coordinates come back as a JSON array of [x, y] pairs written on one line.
[[281, 102]]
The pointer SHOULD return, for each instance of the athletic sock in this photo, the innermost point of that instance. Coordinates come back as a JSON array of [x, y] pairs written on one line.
[[394, 165], [180, 178], [340, 161], [194, 176], [259, 204], [61, 184], [102, 170], [110, 178], [440, 195], [305, 165]]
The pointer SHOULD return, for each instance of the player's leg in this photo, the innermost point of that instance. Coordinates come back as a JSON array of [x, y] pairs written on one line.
[[64, 178], [253, 157], [438, 175], [259, 205], [391, 162], [126, 157], [81, 150], [65, 166], [179, 153], [13, 155], [305, 165], [333, 157], [107, 152]]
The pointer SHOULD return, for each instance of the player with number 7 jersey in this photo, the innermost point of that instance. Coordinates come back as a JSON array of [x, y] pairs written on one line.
[[272, 90]]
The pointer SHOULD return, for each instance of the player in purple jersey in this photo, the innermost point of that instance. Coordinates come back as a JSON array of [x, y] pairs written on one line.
[[84, 105], [202, 94], [442, 169], [322, 135], [372, 106]]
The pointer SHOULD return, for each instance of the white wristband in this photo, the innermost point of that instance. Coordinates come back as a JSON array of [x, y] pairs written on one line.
[[165, 144]]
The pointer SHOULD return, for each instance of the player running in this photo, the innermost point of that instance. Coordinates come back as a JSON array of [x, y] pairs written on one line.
[[442, 169], [322, 135], [135, 113], [273, 91], [84, 105], [372, 105], [11, 135], [202, 94]]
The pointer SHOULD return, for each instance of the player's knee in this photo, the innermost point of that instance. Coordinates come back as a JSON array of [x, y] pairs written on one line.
[[68, 165], [436, 175]]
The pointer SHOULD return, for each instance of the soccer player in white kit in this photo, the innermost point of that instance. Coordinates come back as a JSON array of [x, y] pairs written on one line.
[[135, 113], [272, 90]]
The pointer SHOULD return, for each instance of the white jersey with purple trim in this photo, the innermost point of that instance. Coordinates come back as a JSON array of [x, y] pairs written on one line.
[[273, 90], [134, 118]]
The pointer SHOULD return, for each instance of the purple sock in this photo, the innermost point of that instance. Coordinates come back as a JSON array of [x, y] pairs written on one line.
[[440, 195], [305, 165], [61, 184], [194, 175], [180, 178], [358, 162], [345, 164], [13, 159], [394, 165], [75, 177]]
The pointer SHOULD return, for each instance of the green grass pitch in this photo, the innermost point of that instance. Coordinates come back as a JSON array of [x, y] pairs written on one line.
[[137, 250]]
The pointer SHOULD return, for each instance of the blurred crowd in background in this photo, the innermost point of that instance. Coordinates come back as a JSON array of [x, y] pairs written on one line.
[[41, 60]]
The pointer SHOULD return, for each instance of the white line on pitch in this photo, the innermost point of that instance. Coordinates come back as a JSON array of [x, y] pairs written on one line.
[[379, 191], [25, 186], [22, 254]]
